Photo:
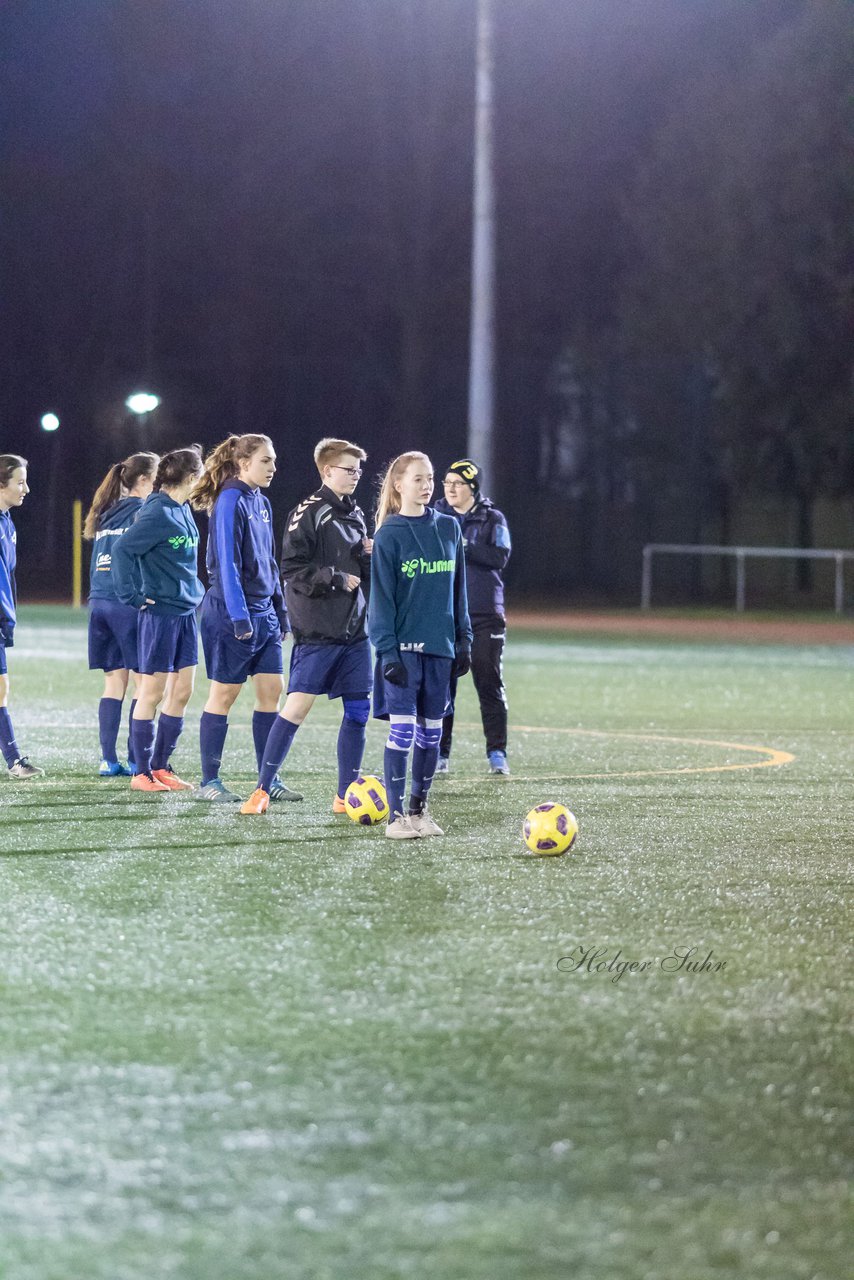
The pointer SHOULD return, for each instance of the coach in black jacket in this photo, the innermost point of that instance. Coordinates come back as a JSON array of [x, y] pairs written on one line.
[[486, 543]]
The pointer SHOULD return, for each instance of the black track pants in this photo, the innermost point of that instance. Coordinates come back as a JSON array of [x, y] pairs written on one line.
[[487, 653]]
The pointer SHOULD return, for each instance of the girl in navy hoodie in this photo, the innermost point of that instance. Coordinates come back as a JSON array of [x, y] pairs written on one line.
[[113, 625], [243, 617], [418, 622], [154, 565], [13, 490]]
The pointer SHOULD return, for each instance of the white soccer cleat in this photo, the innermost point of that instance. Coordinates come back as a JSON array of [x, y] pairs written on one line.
[[401, 828], [424, 825]]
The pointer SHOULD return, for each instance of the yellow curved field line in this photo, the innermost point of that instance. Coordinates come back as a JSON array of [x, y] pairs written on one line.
[[773, 758]]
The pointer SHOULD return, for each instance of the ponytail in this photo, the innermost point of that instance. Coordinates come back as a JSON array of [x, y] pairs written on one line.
[[388, 503], [223, 463], [121, 477]]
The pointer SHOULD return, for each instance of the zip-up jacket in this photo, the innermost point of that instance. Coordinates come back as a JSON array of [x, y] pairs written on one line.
[[241, 565], [155, 559], [323, 543], [486, 542], [112, 523], [418, 588], [8, 594]]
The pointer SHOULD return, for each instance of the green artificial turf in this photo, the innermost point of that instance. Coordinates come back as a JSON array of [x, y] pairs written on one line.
[[284, 1047]]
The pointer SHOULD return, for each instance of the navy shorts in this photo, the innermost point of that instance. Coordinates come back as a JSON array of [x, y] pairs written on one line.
[[426, 693], [338, 670], [113, 629], [4, 666], [167, 642], [231, 661]]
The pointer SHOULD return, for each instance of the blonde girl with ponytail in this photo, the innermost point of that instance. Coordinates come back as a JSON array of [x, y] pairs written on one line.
[[418, 622]]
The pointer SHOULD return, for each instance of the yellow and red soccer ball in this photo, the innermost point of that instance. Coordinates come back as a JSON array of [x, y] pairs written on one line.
[[550, 829], [366, 802]]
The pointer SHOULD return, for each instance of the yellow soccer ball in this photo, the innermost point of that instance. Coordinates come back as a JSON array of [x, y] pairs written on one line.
[[550, 829], [366, 801]]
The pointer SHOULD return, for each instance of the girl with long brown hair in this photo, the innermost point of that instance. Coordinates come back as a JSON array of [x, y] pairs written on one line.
[[243, 616], [113, 625], [155, 568]]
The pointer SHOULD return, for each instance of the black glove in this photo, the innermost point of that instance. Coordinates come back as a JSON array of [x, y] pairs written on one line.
[[7, 635], [462, 663], [395, 673]]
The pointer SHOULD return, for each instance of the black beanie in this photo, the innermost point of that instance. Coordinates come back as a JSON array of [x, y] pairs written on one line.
[[468, 471]]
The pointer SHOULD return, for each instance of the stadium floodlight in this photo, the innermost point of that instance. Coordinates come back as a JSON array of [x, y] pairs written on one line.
[[50, 422], [142, 402]]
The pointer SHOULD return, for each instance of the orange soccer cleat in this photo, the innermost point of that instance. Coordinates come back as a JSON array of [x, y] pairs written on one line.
[[338, 805], [146, 782], [258, 802], [170, 780]]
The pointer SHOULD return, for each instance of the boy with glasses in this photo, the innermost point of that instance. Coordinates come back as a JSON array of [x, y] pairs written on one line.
[[486, 545], [326, 562]]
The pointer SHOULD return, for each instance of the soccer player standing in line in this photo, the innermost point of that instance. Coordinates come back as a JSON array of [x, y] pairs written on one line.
[[243, 616], [486, 542], [155, 569], [419, 625], [113, 625], [13, 490], [325, 564]]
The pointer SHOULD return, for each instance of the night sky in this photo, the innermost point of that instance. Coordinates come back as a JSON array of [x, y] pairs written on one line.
[[261, 211]]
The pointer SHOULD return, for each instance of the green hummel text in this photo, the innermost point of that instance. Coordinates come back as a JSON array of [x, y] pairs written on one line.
[[409, 568], [181, 540]]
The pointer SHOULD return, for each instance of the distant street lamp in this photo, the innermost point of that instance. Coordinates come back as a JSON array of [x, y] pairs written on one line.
[[49, 422], [141, 404]]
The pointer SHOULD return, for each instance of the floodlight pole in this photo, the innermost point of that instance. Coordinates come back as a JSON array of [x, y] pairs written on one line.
[[482, 332]]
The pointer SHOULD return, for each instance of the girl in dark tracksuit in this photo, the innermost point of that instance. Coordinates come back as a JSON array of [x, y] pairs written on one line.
[[113, 625], [418, 622], [243, 618], [155, 570], [13, 490]]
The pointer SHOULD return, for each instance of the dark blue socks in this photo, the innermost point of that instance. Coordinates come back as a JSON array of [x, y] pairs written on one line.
[[8, 745], [262, 723], [351, 748], [130, 731], [277, 746], [424, 759], [212, 734], [109, 719], [142, 741], [169, 729], [394, 773]]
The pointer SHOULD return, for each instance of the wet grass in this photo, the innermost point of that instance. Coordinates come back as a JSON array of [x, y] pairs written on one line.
[[245, 1050]]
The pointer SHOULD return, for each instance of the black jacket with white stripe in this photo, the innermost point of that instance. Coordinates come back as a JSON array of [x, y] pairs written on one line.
[[323, 543]]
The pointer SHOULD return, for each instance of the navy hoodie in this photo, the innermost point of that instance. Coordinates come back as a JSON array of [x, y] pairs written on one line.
[[8, 596], [486, 540], [418, 587], [241, 566], [161, 550], [112, 523]]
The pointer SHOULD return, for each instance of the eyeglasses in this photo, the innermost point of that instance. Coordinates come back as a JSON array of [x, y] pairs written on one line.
[[456, 484], [355, 472]]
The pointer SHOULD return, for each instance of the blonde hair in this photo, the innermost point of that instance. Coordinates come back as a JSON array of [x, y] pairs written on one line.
[[388, 503], [121, 477], [328, 449], [223, 463]]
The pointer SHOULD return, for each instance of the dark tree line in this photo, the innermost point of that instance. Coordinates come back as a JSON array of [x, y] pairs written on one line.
[[263, 213]]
